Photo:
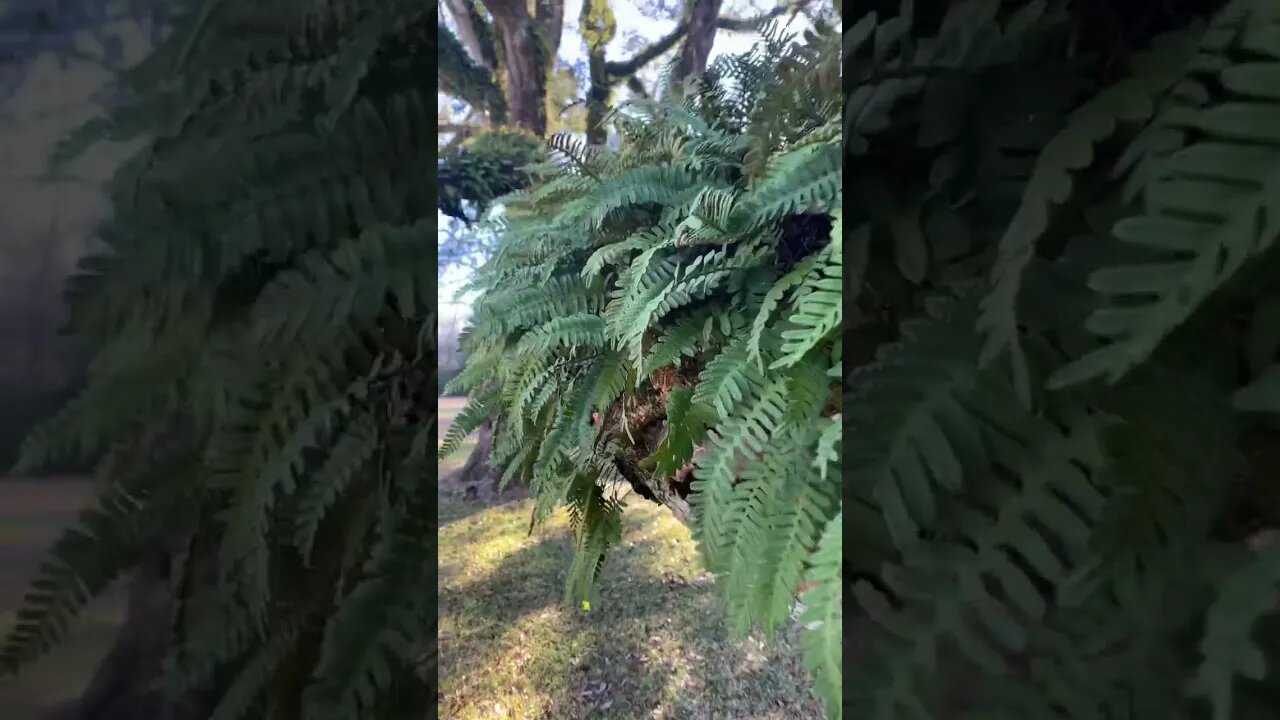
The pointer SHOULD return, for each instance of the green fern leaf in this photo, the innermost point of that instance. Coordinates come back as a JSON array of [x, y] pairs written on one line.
[[1212, 209], [687, 423], [1244, 596], [1071, 150], [85, 560]]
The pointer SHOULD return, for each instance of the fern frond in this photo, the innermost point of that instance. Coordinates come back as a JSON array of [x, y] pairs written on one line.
[[823, 617], [350, 453], [355, 663], [1208, 211], [1131, 100], [819, 309], [913, 429], [1244, 596], [249, 684], [467, 421]]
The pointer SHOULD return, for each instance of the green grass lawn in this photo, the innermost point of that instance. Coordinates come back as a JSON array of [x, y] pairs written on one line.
[[653, 645]]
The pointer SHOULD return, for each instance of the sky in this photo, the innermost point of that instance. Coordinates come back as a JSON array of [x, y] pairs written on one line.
[[573, 51]]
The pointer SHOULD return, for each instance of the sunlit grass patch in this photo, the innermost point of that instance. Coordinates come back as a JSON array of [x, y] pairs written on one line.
[[653, 645]]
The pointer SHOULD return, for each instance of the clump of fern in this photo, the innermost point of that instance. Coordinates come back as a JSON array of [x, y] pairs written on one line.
[[261, 316], [669, 313]]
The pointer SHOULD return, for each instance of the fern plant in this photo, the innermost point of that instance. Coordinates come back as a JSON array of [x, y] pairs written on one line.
[[262, 318], [667, 317], [1061, 414]]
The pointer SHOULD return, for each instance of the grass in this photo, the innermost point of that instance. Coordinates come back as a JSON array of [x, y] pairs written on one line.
[[653, 645]]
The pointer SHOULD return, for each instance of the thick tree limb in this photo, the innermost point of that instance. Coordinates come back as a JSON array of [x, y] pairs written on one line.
[[121, 688], [460, 77], [549, 20], [598, 27], [698, 39], [461, 128], [478, 473], [635, 86], [526, 61], [623, 68]]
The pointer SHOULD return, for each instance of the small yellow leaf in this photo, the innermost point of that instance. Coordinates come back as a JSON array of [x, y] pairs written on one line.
[[586, 606]]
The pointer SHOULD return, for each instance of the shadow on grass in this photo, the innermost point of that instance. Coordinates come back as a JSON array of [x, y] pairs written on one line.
[[664, 650], [453, 507], [653, 645], [517, 586]]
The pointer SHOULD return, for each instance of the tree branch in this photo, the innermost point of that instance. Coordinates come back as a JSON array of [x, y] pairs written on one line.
[[623, 68], [749, 24], [633, 84]]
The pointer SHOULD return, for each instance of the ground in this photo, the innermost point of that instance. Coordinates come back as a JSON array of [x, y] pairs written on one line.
[[652, 645]]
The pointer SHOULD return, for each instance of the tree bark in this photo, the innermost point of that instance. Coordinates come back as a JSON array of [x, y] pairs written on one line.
[[459, 76], [549, 21], [473, 32], [702, 35], [527, 50], [598, 27], [477, 472], [121, 689]]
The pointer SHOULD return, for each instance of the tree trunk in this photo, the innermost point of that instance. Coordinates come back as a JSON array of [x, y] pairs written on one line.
[[477, 475], [598, 27], [702, 35], [121, 688], [527, 45]]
